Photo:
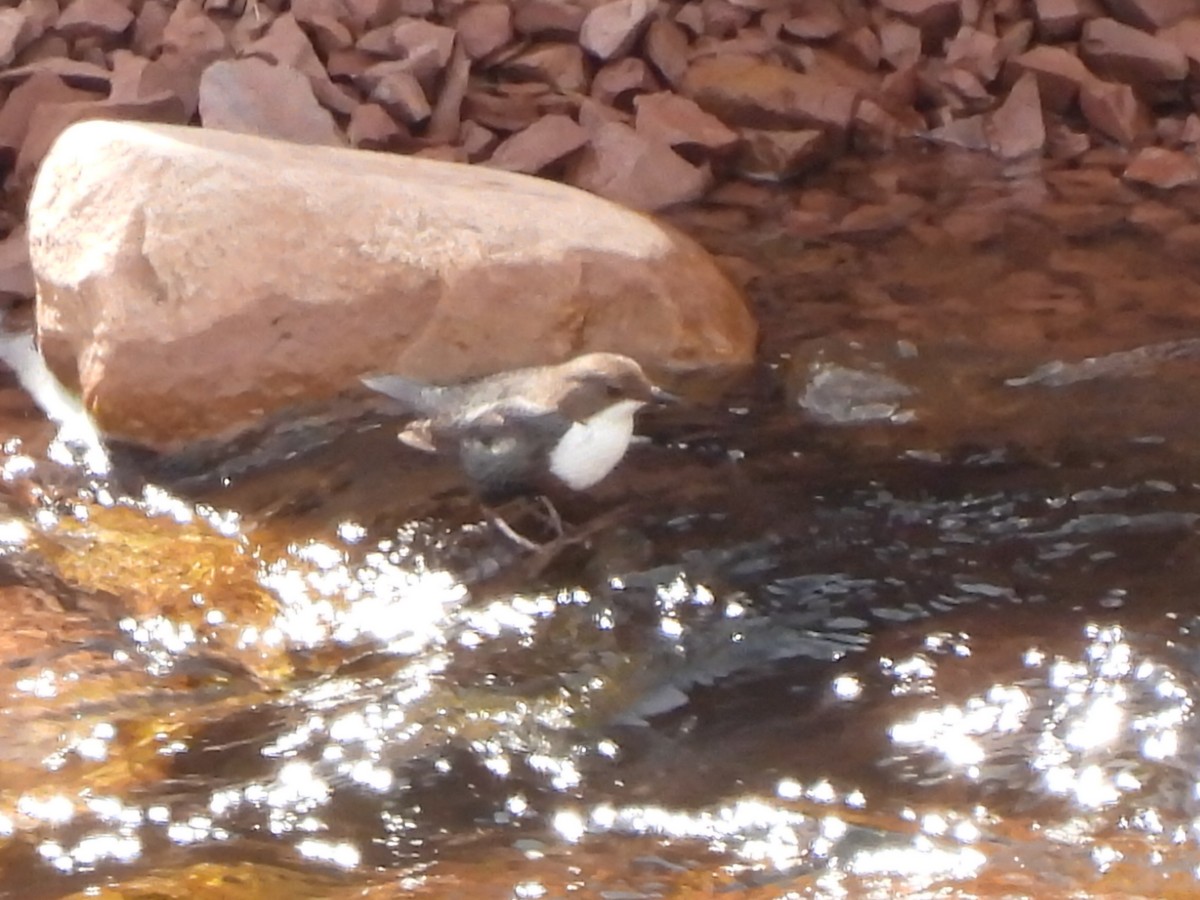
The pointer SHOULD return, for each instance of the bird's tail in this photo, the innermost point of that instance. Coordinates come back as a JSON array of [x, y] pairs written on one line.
[[412, 396]]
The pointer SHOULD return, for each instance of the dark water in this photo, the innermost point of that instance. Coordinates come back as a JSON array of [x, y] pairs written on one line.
[[909, 610]]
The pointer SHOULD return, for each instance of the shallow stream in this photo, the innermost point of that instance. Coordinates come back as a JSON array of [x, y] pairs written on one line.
[[909, 610]]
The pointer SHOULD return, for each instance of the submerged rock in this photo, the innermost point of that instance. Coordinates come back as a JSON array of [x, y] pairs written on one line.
[[190, 281]]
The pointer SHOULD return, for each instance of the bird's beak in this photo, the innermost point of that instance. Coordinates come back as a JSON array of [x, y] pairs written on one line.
[[664, 397]]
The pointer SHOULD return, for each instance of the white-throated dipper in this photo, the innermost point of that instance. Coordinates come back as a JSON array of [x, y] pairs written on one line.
[[518, 432]]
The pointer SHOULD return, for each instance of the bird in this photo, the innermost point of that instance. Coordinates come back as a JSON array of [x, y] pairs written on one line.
[[529, 430]]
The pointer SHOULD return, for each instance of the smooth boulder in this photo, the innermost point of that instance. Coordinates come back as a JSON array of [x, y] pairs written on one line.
[[191, 281]]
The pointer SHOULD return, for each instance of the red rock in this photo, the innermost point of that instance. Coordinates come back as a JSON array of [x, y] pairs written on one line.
[[83, 75], [819, 21], [1059, 75], [899, 88], [965, 91], [307, 12], [624, 166], [666, 47], [976, 52], [933, 17], [548, 19], [12, 24], [394, 87], [899, 43], [673, 120], [1120, 53], [477, 142], [691, 17], [501, 112], [50, 120], [742, 193], [251, 96], [377, 41], [16, 274], [149, 26], [349, 64], [1063, 143], [94, 18], [329, 36], [175, 74], [484, 28], [863, 49], [1015, 39], [558, 65], [969, 133], [446, 119], [1016, 129], [127, 71], [611, 29], [1162, 168], [723, 19], [42, 89], [1150, 15], [545, 142], [593, 116], [768, 155], [1186, 36], [286, 44], [620, 77], [876, 130], [1058, 20], [194, 34], [372, 128], [416, 39], [744, 91], [1113, 110], [1191, 130], [1157, 218]]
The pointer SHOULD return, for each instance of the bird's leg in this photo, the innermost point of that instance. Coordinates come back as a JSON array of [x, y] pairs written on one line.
[[508, 531], [552, 515]]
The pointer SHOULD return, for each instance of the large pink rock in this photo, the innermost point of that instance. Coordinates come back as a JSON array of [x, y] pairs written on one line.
[[281, 272]]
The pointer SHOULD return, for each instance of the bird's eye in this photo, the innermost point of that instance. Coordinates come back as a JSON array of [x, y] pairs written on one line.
[[612, 390]]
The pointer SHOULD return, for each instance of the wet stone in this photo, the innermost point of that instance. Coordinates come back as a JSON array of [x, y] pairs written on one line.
[[1162, 168]]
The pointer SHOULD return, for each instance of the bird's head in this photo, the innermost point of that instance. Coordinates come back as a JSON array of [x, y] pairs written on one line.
[[602, 379]]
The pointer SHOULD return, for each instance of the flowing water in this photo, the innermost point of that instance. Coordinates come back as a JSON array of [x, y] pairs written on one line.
[[909, 610]]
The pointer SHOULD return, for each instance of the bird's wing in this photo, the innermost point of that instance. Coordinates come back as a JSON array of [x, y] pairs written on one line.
[[413, 396], [504, 444]]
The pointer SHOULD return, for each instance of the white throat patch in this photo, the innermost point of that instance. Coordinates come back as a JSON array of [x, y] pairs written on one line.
[[592, 448]]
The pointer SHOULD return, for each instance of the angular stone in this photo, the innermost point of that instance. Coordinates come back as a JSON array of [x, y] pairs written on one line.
[[148, 28], [675, 121], [819, 21], [1059, 75], [1151, 15], [1186, 36], [415, 39], [622, 165], [16, 273], [372, 128], [251, 96], [771, 155], [1162, 168], [502, 112], [476, 141], [12, 26], [545, 142], [976, 52], [1017, 129], [970, 133], [16, 115], [446, 119], [1113, 110], [94, 18], [862, 47], [396, 89], [611, 29], [558, 65], [286, 44], [177, 319], [933, 17], [553, 19], [484, 28], [1058, 20], [743, 91], [1119, 53], [899, 43], [666, 47]]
